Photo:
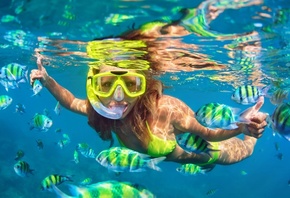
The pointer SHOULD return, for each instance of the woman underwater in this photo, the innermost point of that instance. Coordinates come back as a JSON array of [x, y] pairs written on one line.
[[130, 103]]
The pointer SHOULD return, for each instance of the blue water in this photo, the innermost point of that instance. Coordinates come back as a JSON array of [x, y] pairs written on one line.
[[267, 175]]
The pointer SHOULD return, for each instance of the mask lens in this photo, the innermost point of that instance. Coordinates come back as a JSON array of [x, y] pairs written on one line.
[[105, 84], [133, 83]]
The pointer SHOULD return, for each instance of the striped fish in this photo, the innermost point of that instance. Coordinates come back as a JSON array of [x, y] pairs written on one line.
[[22, 169], [211, 192], [40, 122], [248, 94], [279, 96], [193, 143], [12, 74], [86, 181], [192, 169], [36, 87], [76, 157], [108, 189], [63, 143], [53, 180], [86, 150], [280, 120], [20, 153], [121, 159], [215, 115], [5, 101]]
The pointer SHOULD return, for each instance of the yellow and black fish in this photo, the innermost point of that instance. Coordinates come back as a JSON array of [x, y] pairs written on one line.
[[108, 189], [193, 143], [52, 180], [249, 94], [121, 159], [22, 169], [280, 121]]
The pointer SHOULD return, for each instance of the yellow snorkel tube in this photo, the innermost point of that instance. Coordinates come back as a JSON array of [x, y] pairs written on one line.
[[111, 113]]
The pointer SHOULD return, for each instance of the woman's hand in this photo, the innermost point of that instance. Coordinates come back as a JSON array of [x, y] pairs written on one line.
[[39, 73], [256, 120]]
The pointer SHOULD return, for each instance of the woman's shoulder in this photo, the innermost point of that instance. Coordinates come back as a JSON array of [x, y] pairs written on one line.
[[170, 100]]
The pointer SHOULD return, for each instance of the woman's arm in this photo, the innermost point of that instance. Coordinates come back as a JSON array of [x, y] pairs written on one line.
[[235, 150], [65, 97], [183, 119]]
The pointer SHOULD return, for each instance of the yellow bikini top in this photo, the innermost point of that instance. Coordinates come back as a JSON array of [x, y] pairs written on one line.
[[157, 147]]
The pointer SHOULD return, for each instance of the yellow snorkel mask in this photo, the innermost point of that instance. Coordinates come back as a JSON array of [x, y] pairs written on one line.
[[104, 84], [116, 84], [118, 53]]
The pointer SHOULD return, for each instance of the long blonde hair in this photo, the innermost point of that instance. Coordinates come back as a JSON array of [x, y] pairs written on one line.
[[136, 119]]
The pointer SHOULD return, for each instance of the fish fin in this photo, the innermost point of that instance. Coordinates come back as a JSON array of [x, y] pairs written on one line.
[[59, 193], [142, 155], [244, 116], [152, 163], [231, 126], [206, 169], [5, 84], [26, 74], [271, 125], [235, 110], [265, 91]]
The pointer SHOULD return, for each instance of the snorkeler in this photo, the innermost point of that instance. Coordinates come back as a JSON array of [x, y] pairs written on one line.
[[130, 103]]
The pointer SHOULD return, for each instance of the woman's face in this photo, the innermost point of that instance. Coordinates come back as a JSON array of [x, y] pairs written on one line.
[[115, 100]]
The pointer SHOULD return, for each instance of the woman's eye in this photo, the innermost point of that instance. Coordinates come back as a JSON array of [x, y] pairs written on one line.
[[129, 84], [107, 84]]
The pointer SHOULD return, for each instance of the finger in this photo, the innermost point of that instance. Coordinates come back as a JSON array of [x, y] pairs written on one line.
[[259, 104], [256, 131], [39, 64]]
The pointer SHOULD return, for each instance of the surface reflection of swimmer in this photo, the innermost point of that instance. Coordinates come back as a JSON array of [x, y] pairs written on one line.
[[164, 45], [124, 98]]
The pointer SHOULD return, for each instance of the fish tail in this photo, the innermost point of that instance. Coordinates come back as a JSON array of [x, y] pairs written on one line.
[[26, 74], [265, 91], [152, 163], [69, 178], [206, 169], [31, 171], [270, 124], [59, 192]]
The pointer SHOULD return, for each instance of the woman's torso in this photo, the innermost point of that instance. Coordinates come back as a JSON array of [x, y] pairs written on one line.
[[159, 126]]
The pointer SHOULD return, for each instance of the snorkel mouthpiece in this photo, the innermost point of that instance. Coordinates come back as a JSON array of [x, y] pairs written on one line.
[[114, 113], [119, 93]]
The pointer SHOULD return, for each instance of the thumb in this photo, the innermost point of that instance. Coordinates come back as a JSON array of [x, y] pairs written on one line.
[[259, 104], [250, 112], [39, 64]]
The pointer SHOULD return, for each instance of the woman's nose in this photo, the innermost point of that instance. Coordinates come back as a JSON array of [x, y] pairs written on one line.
[[119, 93]]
